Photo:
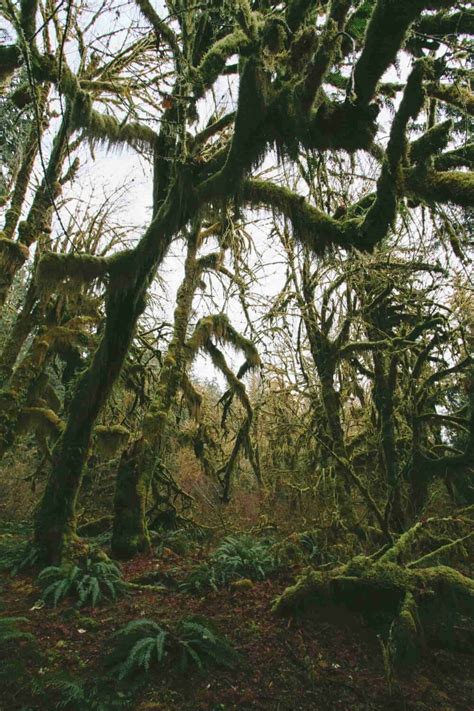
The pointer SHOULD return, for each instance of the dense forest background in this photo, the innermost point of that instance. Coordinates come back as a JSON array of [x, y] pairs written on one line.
[[236, 371]]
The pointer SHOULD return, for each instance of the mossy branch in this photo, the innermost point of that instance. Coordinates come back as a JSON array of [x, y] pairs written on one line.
[[434, 556], [458, 157], [454, 94], [213, 62], [381, 215], [433, 186], [433, 141], [444, 23], [83, 268], [219, 327], [160, 27], [385, 34], [311, 226]]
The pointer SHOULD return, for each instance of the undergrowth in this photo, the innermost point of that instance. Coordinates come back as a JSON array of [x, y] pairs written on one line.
[[236, 558], [90, 583], [143, 644], [16, 554]]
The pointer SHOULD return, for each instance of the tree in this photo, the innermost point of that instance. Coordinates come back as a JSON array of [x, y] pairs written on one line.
[[294, 93]]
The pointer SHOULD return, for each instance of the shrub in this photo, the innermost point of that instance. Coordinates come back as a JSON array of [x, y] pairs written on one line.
[[90, 583]]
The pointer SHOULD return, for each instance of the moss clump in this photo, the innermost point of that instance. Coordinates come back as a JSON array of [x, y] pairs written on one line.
[[11, 252], [40, 420], [110, 439], [10, 59]]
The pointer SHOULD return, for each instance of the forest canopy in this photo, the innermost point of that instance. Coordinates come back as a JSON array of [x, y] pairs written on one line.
[[235, 296]]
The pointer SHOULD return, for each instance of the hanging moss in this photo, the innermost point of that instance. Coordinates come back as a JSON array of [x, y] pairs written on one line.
[[192, 397], [311, 226], [341, 126], [219, 327], [10, 59], [41, 420], [110, 439], [12, 252]]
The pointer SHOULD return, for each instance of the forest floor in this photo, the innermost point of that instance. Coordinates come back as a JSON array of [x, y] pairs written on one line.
[[328, 661]]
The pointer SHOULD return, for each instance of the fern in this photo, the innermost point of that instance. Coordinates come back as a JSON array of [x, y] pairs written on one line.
[[144, 643], [237, 557], [9, 630], [16, 554], [202, 645], [90, 583], [137, 646], [76, 695]]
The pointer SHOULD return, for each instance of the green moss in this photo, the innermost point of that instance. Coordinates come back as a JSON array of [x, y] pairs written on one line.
[[405, 635], [385, 34], [219, 327], [298, 11], [110, 439], [41, 420], [83, 268], [445, 187], [455, 94], [10, 59], [431, 142], [310, 225], [12, 252], [409, 605], [446, 23], [214, 60], [462, 156]]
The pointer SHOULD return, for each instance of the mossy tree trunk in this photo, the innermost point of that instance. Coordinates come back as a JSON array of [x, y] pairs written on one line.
[[137, 463], [55, 520], [130, 532]]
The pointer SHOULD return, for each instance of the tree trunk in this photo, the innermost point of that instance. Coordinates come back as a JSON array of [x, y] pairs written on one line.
[[130, 533]]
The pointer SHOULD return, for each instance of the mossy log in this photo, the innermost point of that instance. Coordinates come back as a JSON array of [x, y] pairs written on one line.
[[409, 607]]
